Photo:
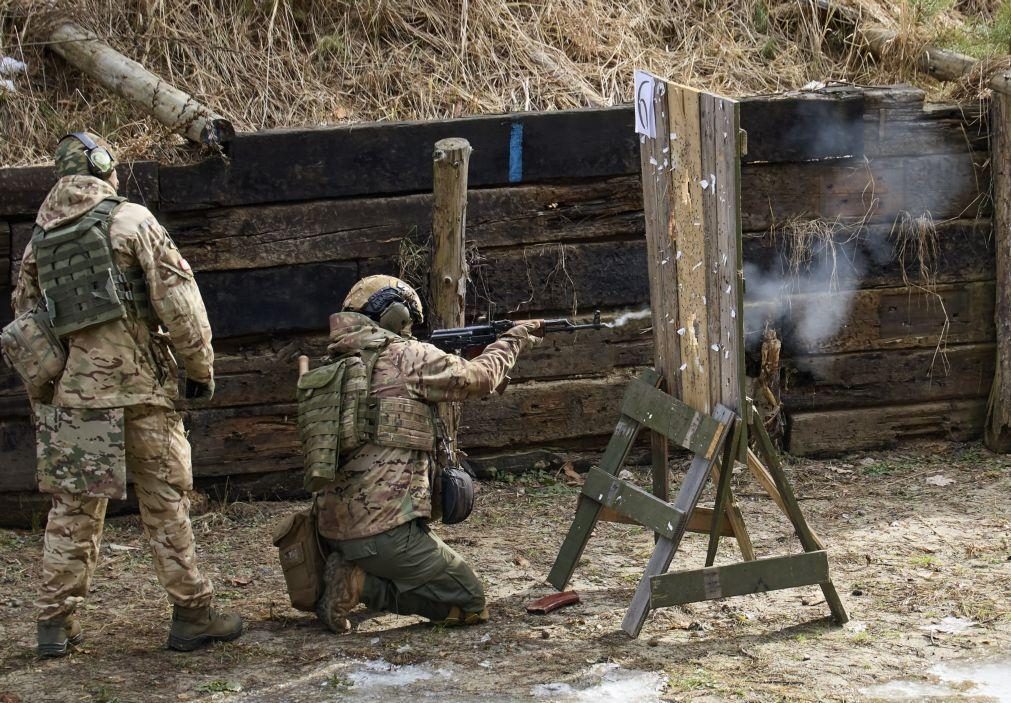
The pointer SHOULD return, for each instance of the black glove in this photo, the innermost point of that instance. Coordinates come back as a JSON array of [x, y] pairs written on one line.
[[195, 390]]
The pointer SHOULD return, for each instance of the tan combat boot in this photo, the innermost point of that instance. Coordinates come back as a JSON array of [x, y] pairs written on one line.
[[195, 627], [342, 590], [57, 634], [458, 617]]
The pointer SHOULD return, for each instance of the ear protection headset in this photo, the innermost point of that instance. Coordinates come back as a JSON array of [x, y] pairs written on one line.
[[391, 309], [100, 161]]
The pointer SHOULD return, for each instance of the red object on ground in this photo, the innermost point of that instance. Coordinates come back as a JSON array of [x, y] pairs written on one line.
[[552, 602]]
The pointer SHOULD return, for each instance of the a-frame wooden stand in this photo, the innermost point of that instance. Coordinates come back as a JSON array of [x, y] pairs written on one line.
[[716, 443]]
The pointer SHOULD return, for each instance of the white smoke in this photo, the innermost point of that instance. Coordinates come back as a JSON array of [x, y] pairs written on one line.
[[812, 302], [627, 317]]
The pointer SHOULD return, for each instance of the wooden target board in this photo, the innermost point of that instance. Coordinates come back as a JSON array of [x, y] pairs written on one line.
[[691, 173]]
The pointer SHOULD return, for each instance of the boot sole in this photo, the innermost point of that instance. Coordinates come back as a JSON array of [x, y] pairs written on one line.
[[184, 644], [53, 651]]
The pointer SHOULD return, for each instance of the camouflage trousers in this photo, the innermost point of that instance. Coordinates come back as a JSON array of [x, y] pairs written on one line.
[[158, 460], [410, 571]]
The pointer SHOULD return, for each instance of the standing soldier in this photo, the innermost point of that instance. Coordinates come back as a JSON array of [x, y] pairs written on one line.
[[373, 516], [117, 293]]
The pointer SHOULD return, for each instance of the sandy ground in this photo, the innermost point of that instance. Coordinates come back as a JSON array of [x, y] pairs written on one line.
[[924, 570]]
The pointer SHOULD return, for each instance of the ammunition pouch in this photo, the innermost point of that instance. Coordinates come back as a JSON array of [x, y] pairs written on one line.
[[457, 494], [337, 415], [80, 281], [33, 350], [302, 558]]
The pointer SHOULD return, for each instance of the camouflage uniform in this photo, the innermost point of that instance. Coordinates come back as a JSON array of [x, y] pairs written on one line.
[[127, 363], [375, 513]]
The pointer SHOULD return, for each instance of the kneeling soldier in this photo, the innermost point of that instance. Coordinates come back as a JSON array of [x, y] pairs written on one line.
[[373, 516], [108, 293]]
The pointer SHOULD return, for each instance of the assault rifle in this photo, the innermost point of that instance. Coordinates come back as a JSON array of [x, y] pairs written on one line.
[[463, 339]]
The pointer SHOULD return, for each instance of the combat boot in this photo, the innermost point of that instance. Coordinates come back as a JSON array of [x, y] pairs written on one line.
[[195, 627], [458, 617], [57, 634], [343, 582]]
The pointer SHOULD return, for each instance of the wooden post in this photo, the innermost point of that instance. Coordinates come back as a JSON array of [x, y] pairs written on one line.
[[998, 417], [127, 78], [448, 278]]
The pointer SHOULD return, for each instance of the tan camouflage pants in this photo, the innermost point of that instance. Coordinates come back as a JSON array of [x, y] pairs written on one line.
[[158, 460]]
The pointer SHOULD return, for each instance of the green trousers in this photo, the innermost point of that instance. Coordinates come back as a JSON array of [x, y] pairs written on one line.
[[410, 571]]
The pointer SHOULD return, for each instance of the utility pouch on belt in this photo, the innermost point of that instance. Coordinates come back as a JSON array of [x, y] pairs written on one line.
[[302, 558], [457, 495], [81, 451], [32, 349]]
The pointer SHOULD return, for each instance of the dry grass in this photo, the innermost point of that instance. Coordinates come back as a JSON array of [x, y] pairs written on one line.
[[271, 63]]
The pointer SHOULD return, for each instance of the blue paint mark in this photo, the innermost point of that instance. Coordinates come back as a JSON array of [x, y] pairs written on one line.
[[516, 152]]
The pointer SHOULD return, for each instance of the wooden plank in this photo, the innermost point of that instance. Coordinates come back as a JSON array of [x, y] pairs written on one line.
[[861, 379], [362, 228], [588, 511], [822, 125], [735, 521], [273, 301], [747, 577], [877, 190], [875, 257], [808, 539], [522, 147], [24, 189], [685, 502], [665, 414], [518, 148], [631, 501], [551, 280], [700, 521], [830, 432], [691, 223], [998, 420], [721, 476], [886, 318]]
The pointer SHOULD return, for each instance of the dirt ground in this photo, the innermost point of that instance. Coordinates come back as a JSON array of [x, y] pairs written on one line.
[[923, 568]]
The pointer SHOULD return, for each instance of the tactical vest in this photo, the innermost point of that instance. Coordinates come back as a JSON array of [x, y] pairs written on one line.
[[337, 414], [80, 281]]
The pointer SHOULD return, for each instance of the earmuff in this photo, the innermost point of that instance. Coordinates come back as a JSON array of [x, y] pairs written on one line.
[[100, 161], [391, 310]]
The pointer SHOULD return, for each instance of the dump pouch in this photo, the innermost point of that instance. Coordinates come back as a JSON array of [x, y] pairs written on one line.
[[33, 350], [302, 558], [457, 488], [81, 451]]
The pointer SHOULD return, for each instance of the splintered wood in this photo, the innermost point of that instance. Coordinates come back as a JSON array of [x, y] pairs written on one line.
[[691, 182]]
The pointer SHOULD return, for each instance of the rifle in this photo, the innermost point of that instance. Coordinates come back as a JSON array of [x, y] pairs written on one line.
[[462, 339]]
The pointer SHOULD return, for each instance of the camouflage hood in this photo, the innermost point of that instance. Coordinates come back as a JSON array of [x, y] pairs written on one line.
[[71, 197], [351, 332]]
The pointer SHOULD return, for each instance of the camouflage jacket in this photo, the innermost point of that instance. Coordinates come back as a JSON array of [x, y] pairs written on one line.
[[126, 361], [379, 488]]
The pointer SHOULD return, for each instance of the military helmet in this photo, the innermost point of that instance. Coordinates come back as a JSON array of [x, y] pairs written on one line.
[[84, 154], [387, 300]]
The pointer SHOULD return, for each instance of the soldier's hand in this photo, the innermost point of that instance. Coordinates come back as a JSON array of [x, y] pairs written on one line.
[[196, 390], [534, 327]]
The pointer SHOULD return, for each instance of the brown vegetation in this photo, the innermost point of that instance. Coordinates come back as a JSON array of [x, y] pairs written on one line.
[[274, 63]]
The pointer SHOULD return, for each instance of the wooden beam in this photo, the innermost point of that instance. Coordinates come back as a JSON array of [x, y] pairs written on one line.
[[448, 274], [172, 107], [998, 417], [700, 521], [682, 425], [743, 578]]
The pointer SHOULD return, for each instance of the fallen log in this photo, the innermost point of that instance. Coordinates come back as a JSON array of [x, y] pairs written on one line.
[[128, 79]]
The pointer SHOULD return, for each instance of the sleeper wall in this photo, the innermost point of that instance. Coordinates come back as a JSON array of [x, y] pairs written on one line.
[[280, 230]]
